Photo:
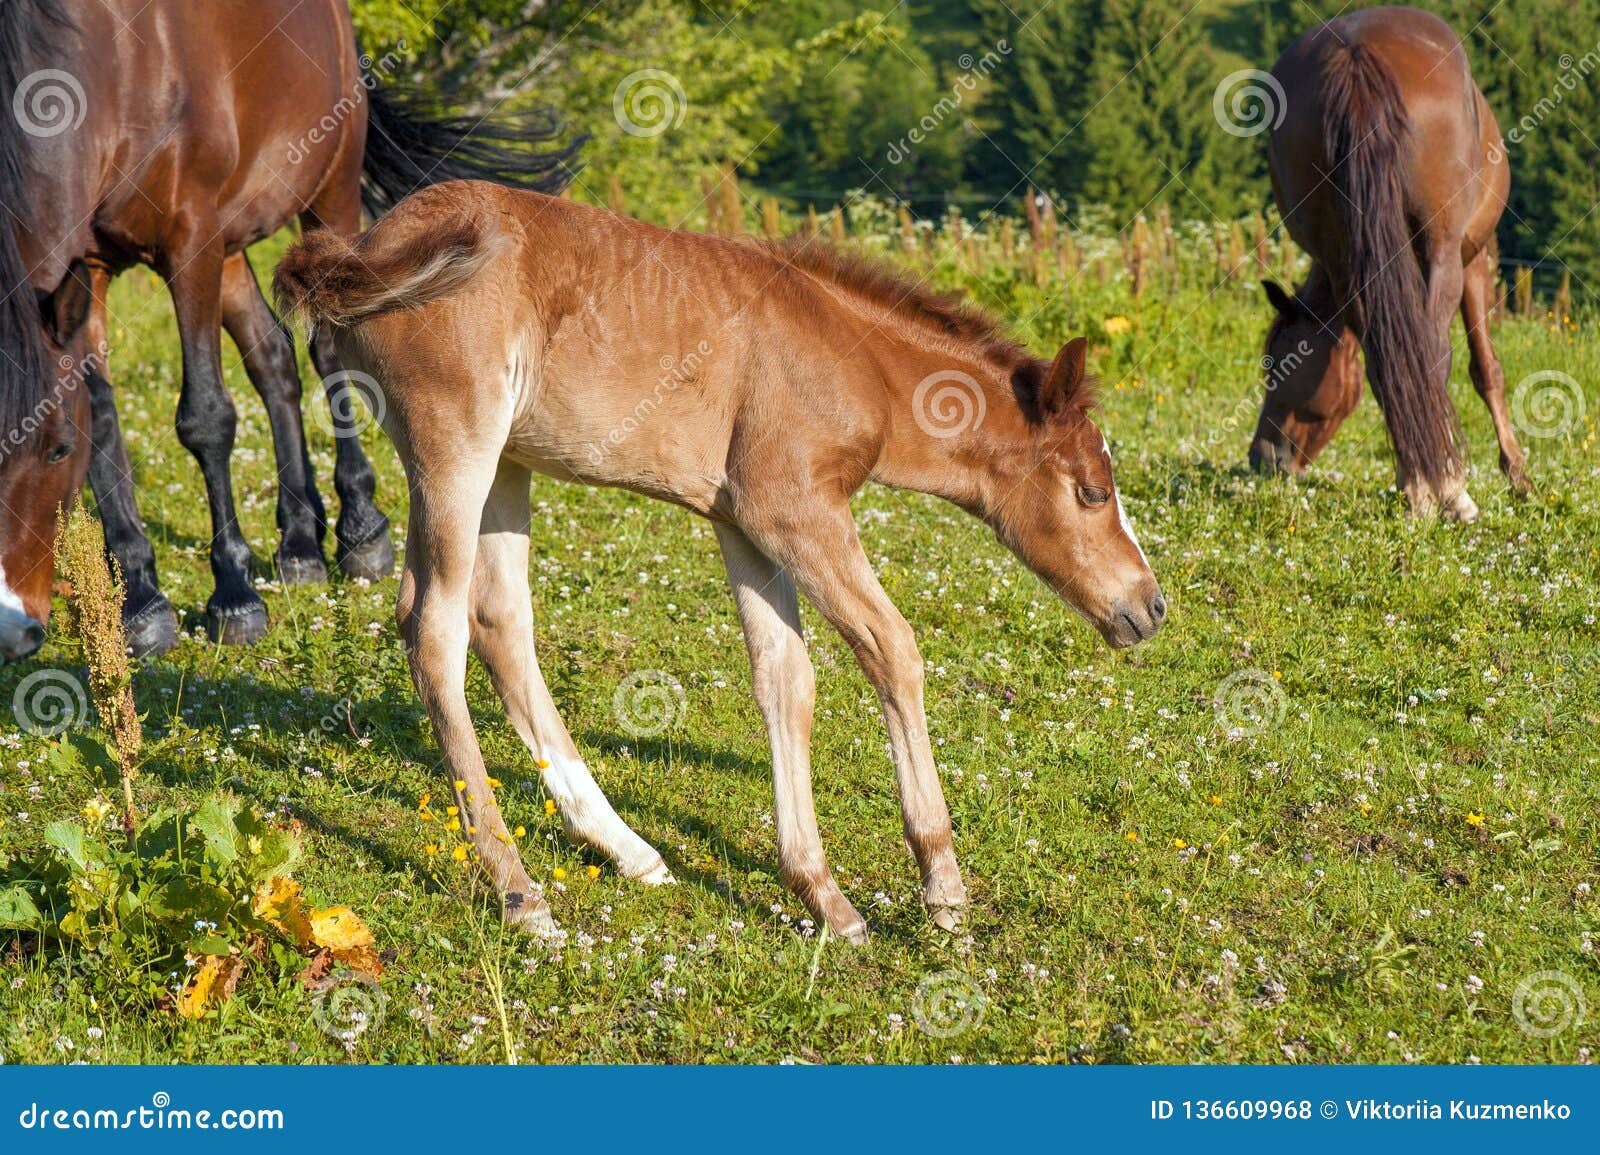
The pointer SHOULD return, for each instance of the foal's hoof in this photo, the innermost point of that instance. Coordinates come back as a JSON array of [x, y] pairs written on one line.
[[531, 916], [854, 933], [1460, 508], [153, 630], [302, 571], [657, 875], [372, 559], [948, 918], [240, 625]]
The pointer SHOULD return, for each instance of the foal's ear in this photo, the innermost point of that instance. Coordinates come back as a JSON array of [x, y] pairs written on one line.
[[66, 310], [1064, 381], [1282, 301]]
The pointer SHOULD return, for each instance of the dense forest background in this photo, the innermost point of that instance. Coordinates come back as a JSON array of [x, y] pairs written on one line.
[[1097, 102]]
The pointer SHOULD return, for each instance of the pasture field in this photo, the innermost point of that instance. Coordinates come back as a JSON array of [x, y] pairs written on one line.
[[1344, 808]]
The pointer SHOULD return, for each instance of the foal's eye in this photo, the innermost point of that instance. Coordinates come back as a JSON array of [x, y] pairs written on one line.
[[1093, 495], [60, 453]]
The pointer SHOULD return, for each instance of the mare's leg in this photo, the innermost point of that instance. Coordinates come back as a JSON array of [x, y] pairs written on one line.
[[207, 420], [1445, 280], [268, 353], [785, 690], [362, 531], [1487, 376], [502, 637], [449, 486], [147, 616], [819, 548]]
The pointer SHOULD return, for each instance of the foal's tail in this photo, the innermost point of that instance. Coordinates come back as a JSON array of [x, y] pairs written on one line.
[[328, 280], [1364, 135]]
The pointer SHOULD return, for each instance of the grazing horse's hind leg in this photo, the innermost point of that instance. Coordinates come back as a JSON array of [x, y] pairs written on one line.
[[502, 637], [235, 614], [823, 554], [448, 489], [1445, 277], [785, 690], [268, 354], [1487, 376]]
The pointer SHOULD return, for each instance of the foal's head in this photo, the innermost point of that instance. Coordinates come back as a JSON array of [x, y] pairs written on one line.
[[44, 450], [1060, 512], [1313, 381]]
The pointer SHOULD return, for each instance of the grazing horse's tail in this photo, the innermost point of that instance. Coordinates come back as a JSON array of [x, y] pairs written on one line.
[[1364, 135], [412, 142], [329, 280]]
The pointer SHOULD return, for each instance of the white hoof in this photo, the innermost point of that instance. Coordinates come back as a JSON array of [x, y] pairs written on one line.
[[657, 875], [1462, 508]]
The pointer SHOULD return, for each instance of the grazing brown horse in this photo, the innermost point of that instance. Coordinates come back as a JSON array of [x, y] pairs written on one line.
[[177, 135], [511, 332], [1389, 170]]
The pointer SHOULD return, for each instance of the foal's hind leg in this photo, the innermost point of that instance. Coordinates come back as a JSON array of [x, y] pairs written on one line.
[[785, 690], [447, 494], [823, 553], [502, 637], [268, 354], [1487, 376]]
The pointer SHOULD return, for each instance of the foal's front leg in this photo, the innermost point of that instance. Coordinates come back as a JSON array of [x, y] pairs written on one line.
[[785, 690], [433, 617], [825, 557]]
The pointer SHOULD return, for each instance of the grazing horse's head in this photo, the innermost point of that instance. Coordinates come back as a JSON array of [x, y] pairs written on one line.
[[1061, 513], [1313, 381], [44, 448]]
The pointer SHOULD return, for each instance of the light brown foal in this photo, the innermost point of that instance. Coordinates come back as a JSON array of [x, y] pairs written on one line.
[[509, 332]]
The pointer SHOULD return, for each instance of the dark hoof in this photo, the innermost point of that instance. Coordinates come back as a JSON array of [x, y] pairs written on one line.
[[153, 630], [373, 559], [240, 625], [302, 571]]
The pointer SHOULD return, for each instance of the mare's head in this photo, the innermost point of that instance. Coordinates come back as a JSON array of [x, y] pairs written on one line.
[[1056, 505], [1313, 381], [44, 444]]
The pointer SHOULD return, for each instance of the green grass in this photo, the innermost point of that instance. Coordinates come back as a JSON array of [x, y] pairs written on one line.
[[1330, 901]]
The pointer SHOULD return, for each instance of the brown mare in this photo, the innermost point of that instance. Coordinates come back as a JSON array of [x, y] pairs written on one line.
[[177, 135], [512, 332], [1389, 170]]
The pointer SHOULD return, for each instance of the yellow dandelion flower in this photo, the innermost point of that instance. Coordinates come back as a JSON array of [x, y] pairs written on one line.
[[549, 806], [461, 784], [558, 874], [453, 824], [1179, 844], [459, 854], [495, 783], [1215, 800], [594, 872], [542, 763], [1474, 819], [1118, 324], [452, 811], [432, 848], [520, 832], [1131, 836]]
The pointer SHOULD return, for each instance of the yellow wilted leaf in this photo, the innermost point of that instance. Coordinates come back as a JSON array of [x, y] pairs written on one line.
[[278, 901], [342, 933], [213, 980]]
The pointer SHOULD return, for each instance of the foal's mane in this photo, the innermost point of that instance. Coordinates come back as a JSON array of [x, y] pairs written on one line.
[[945, 314], [27, 30]]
